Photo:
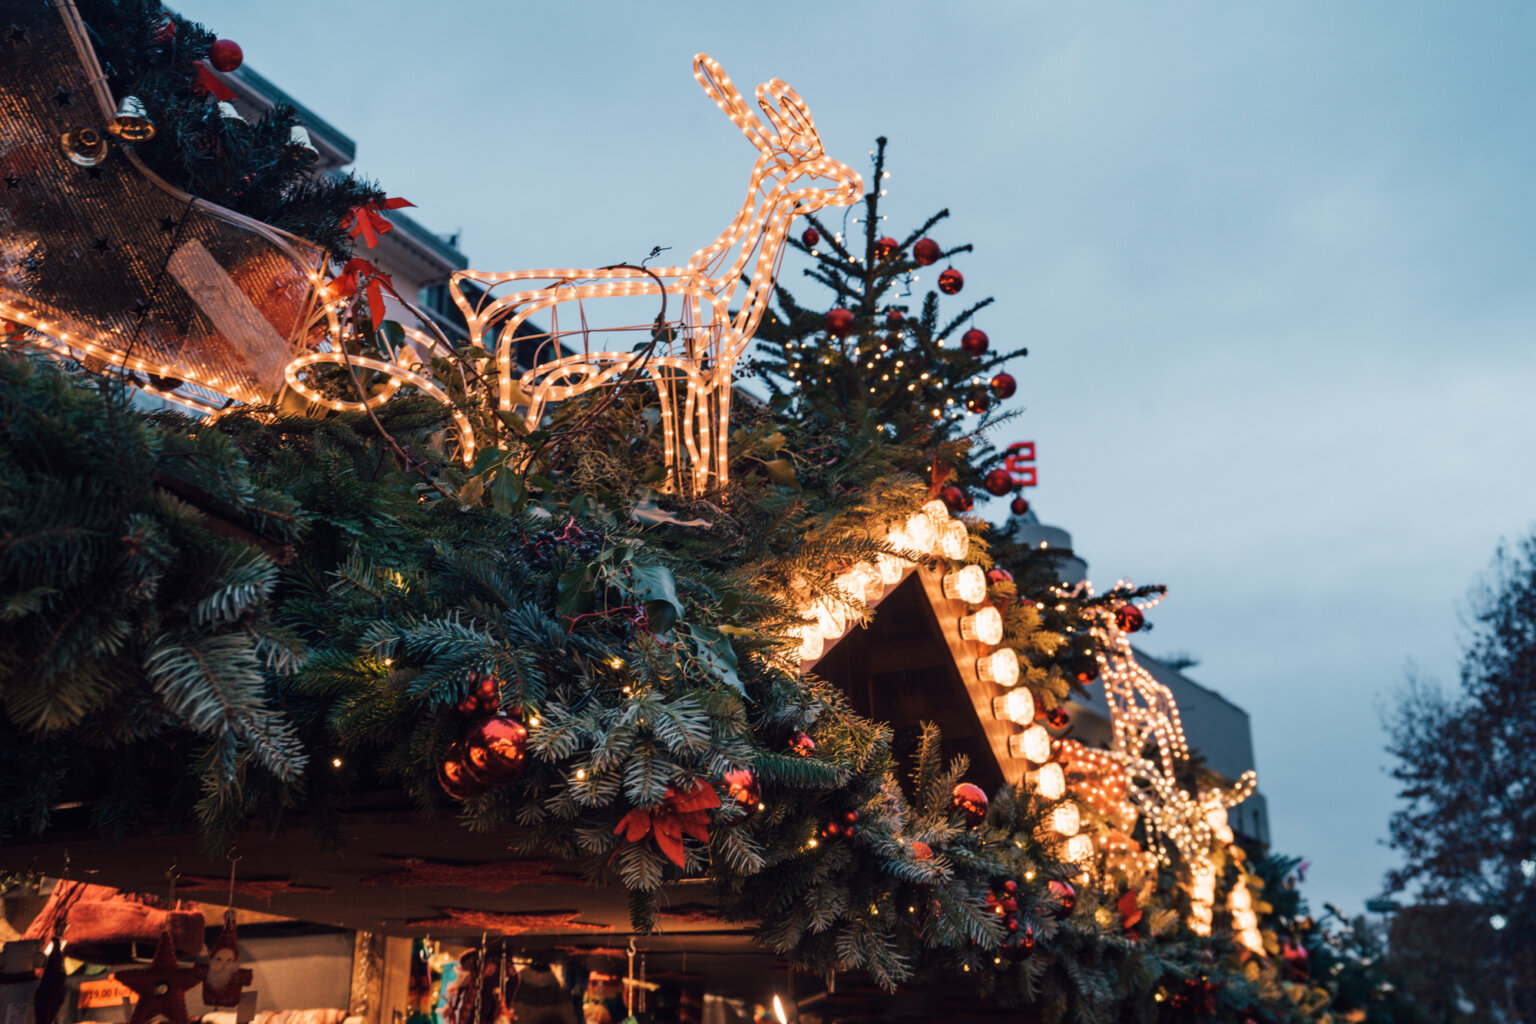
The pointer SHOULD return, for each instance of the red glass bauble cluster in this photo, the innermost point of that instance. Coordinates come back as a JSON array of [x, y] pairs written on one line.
[[970, 801], [839, 322], [845, 829], [1057, 718], [1003, 900], [484, 698], [925, 252], [974, 342], [802, 745], [955, 499], [951, 281], [494, 753], [999, 482], [741, 786], [225, 55]]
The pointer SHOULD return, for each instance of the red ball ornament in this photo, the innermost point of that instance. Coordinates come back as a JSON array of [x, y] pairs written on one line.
[[1057, 718], [951, 281], [1063, 899], [969, 800], [225, 55], [999, 576], [978, 401], [1129, 618], [495, 751], [802, 745], [1003, 385], [921, 850], [886, 247], [810, 237], [1019, 506], [999, 482], [925, 251], [974, 342], [1087, 670], [894, 318], [966, 504], [452, 776], [741, 786], [953, 498], [839, 322]]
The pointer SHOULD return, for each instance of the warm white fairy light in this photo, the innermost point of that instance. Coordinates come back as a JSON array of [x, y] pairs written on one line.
[[968, 584], [1049, 781], [1000, 667], [985, 625], [1014, 706]]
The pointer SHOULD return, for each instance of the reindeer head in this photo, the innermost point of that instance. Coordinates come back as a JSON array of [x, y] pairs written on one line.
[[789, 144]]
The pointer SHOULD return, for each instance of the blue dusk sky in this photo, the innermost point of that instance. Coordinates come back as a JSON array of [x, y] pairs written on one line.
[[1273, 263]]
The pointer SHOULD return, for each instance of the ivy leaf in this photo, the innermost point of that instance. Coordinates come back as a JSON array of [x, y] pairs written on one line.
[[393, 333], [575, 591], [507, 491], [658, 589], [716, 652]]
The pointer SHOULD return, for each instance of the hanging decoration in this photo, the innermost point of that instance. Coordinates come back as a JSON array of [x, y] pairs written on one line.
[[161, 987], [223, 978]]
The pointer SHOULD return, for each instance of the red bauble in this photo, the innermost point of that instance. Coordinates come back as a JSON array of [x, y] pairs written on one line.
[[925, 251], [1022, 944], [974, 342], [969, 800], [802, 745], [886, 247], [999, 482], [1063, 899], [953, 498], [452, 776], [999, 576], [495, 751], [1003, 385], [839, 322], [966, 504], [810, 237], [225, 55], [1129, 618], [894, 318], [1087, 670], [951, 281], [1019, 506], [921, 850], [741, 786], [1057, 718], [978, 401]]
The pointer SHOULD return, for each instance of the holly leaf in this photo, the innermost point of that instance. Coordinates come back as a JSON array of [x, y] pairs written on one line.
[[715, 651]]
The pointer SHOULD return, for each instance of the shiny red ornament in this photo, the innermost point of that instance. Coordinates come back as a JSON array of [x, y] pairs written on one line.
[[953, 498], [894, 318], [839, 322], [495, 751], [999, 576], [978, 401], [925, 251], [1063, 899], [969, 800], [1019, 506], [1004, 386], [741, 786], [921, 850], [802, 745], [1087, 670], [1129, 618], [1057, 718], [452, 777], [951, 281], [998, 482], [974, 342], [966, 504], [1130, 910], [225, 55], [886, 247], [810, 237]]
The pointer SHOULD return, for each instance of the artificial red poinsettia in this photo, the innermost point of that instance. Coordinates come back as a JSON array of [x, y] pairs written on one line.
[[360, 273], [678, 815], [1130, 909], [367, 221]]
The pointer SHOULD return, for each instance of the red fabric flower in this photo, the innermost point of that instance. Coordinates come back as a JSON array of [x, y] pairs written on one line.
[[204, 80], [360, 273], [366, 220], [678, 815]]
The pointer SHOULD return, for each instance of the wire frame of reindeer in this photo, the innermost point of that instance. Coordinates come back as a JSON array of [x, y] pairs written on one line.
[[689, 358]]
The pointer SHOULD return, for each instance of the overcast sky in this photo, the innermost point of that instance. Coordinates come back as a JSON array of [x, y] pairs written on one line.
[[1273, 262]]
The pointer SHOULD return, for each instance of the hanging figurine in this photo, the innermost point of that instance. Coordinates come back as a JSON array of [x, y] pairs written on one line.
[[223, 977]]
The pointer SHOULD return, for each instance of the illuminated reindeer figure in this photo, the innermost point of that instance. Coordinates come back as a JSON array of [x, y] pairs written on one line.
[[692, 372]]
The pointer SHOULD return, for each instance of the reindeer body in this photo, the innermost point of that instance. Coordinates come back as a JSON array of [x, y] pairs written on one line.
[[692, 378]]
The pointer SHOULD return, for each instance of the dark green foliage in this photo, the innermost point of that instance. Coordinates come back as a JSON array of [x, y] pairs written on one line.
[[251, 168]]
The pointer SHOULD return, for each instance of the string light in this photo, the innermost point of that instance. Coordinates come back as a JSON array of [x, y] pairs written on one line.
[[1000, 667], [1049, 781], [1014, 706], [1033, 744], [985, 625], [968, 584], [1066, 819]]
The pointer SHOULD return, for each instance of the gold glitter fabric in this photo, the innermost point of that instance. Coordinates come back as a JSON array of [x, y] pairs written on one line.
[[110, 265]]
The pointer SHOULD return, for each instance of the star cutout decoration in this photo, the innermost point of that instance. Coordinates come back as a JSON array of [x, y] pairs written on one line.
[[169, 224], [12, 182], [161, 987], [101, 245], [15, 35], [64, 97], [261, 888]]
